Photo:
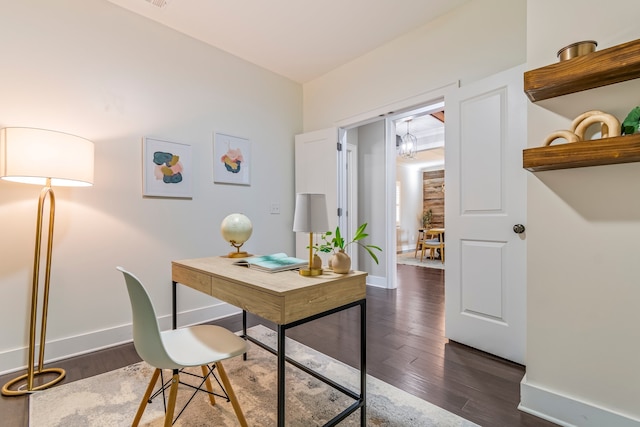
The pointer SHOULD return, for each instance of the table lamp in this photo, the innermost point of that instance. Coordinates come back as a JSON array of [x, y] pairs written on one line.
[[43, 157], [310, 217]]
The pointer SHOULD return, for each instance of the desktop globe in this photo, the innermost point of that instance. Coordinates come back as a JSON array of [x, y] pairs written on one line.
[[236, 229]]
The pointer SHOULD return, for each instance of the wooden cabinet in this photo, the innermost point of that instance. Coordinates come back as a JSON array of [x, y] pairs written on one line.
[[601, 68]]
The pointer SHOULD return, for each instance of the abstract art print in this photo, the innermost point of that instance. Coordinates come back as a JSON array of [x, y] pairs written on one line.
[[231, 159], [166, 169]]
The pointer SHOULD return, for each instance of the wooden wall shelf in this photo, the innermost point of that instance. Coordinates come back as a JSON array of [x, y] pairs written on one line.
[[606, 151], [601, 68], [608, 66]]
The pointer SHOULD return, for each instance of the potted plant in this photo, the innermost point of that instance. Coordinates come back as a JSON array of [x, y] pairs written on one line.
[[340, 262], [427, 217]]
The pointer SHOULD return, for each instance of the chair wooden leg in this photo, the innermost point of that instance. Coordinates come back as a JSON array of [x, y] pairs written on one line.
[[173, 394], [232, 395], [145, 398], [205, 373]]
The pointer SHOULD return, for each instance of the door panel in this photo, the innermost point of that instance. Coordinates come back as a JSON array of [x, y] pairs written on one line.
[[485, 276], [482, 279], [482, 152]]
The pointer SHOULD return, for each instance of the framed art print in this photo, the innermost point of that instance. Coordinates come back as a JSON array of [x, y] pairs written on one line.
[[167, 169], [231, 159]]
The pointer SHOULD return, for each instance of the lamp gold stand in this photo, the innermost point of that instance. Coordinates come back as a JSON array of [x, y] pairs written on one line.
[[311, 270], [32, 370]]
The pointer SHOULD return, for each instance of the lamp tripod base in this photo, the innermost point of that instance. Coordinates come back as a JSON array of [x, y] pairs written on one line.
[[7, 389]]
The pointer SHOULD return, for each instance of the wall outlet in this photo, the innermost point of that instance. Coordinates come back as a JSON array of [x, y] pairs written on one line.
[[274, 209]]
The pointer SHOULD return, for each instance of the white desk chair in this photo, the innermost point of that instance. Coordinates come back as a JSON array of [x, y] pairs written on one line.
[[175, 349]]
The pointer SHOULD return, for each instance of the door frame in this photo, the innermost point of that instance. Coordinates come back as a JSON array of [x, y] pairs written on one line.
[[391, 110]]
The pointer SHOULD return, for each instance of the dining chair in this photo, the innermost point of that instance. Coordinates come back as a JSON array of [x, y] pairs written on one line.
[[421, 236], [201, 345], [434, 240]]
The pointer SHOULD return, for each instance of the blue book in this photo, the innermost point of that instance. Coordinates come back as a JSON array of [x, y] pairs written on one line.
[[273, 263]]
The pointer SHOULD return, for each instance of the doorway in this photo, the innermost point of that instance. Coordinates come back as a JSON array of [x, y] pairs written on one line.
[[375, 156], [419, 178]]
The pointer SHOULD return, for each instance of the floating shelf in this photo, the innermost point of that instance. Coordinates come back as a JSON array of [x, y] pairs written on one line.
[[613, 65], [601, 68], [606, 151]]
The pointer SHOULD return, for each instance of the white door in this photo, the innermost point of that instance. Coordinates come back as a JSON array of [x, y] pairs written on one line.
[[485, 276], [316, 171]]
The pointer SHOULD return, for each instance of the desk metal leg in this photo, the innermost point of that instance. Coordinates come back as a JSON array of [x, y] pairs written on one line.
[[281, 378], [363, 362], [174, 305], [244, 330]]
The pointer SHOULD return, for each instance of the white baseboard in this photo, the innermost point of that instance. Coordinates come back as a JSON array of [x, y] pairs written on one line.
[[567, 411], [15, 359], [377, 281]]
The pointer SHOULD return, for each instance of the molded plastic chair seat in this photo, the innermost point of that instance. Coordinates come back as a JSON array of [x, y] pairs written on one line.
[[200, 345], [175, 349]]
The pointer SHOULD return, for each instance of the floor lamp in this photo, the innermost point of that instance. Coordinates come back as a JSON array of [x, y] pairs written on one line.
[[310, 217], [43, 157]]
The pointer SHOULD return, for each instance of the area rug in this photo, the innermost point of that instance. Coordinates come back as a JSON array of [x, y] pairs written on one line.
[[407, 258], [111, 399]]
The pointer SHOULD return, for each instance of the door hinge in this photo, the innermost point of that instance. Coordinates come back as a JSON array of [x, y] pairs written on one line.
[[339, 212], [339, 146]]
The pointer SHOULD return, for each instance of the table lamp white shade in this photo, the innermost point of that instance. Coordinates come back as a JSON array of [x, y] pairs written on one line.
[[311, 213], [32, 156]]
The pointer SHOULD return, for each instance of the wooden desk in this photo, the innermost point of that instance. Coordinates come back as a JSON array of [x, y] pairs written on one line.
[[288, 300]]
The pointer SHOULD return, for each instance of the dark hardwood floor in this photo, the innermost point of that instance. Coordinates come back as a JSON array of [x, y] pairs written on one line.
[[405, 348]]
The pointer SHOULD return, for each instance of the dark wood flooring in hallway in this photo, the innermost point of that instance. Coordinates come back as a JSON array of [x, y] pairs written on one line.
[[405, 347]]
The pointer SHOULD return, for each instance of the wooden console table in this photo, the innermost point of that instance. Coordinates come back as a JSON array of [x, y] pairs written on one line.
[[288, 300]]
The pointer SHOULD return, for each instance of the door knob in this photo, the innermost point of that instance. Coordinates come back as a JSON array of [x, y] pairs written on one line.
[[518, 228]]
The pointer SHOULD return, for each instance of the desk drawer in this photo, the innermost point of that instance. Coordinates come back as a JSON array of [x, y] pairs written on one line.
[[191, 278]]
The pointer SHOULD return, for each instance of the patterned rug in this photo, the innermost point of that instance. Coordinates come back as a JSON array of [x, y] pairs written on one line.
[[407, 258], [111, 399]]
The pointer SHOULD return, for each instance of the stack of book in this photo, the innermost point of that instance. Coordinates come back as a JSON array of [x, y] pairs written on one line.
[[273, 263]]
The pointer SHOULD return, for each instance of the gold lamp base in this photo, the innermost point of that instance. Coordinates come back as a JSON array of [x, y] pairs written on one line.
[[310, 271], [24, 389]]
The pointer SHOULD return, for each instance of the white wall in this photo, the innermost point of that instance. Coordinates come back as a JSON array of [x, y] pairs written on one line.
[[90, 68], [583, 334], [474, 41]]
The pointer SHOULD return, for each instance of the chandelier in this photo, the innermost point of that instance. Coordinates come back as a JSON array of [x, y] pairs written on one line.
[[408, 145]]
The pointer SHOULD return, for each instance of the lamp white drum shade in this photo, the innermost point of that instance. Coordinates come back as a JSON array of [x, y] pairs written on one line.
[[311, 213], [32, 156]]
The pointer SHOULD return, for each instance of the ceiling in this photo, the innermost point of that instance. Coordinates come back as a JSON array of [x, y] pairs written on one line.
[[298, 39]]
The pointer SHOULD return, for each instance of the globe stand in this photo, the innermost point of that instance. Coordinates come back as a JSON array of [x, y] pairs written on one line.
[[237, 253]]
